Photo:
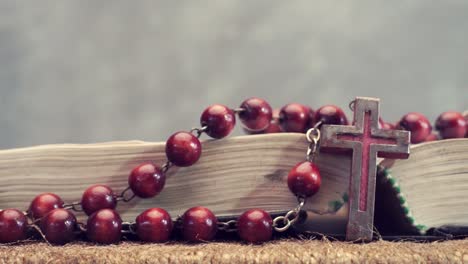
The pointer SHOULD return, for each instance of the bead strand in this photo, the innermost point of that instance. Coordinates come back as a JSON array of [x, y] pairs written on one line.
[[58, 225], [296, 117], [147, 180]]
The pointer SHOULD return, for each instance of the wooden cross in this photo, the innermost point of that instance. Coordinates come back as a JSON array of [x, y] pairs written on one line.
[[366, 141]]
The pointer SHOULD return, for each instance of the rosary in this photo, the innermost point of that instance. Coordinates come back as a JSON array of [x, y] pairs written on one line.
[[326, 130]]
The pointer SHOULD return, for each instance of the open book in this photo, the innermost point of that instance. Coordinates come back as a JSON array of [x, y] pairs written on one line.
[[235, 174], [428, 190]]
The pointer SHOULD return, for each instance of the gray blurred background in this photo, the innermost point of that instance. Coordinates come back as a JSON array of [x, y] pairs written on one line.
[[91, 71]]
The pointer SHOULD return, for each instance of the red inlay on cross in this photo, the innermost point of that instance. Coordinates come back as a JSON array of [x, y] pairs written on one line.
[[366, 139], [367, 142]]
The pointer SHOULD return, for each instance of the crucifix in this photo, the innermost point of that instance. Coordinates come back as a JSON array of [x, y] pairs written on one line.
[[366, 141]]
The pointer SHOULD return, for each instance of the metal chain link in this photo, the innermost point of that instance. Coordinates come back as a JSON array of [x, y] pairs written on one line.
[[198, 131], [128, 228], [283, 223], [351, 105], [166, 166], [125, 195], [81, 227], [229, 226], [238, 110], [75, 206], [313, 137]]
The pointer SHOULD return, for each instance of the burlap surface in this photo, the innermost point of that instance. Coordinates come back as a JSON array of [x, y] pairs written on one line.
[[284, 251]]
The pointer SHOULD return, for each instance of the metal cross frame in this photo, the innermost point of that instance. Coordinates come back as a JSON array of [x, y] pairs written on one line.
[[366, 141]]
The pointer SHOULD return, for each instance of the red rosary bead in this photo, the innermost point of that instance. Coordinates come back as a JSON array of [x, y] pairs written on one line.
[[431, 137], [417, 124], [304, 179], [219, 120], [255, 226], [98, 197], [154, 225], [256, 114], [104, 226], [13, 226], [465, 114], [295, 118], [147, 180], [59, 226], [42, 204], [274, 126], [199, 224], [183, 149], [466, 126], [386, 125], [451, 125], [330, 115]]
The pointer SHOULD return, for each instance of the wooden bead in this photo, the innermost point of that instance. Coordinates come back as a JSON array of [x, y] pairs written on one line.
[[255, 226], [147, 180], [13, 226], [304, 179], [386, 125], [274, 126], [199, 224], [466, 127], [104, 226], [98, 197], [417, 124], [42, 204], [295, 118], [465, 114], [451, 125], [256, 114], [183, 149], [219, 120], [431, 137], [330, 115], [154, 225], [59, 226]]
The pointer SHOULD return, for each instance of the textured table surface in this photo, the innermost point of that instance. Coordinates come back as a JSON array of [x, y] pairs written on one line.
[[290, 251]]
